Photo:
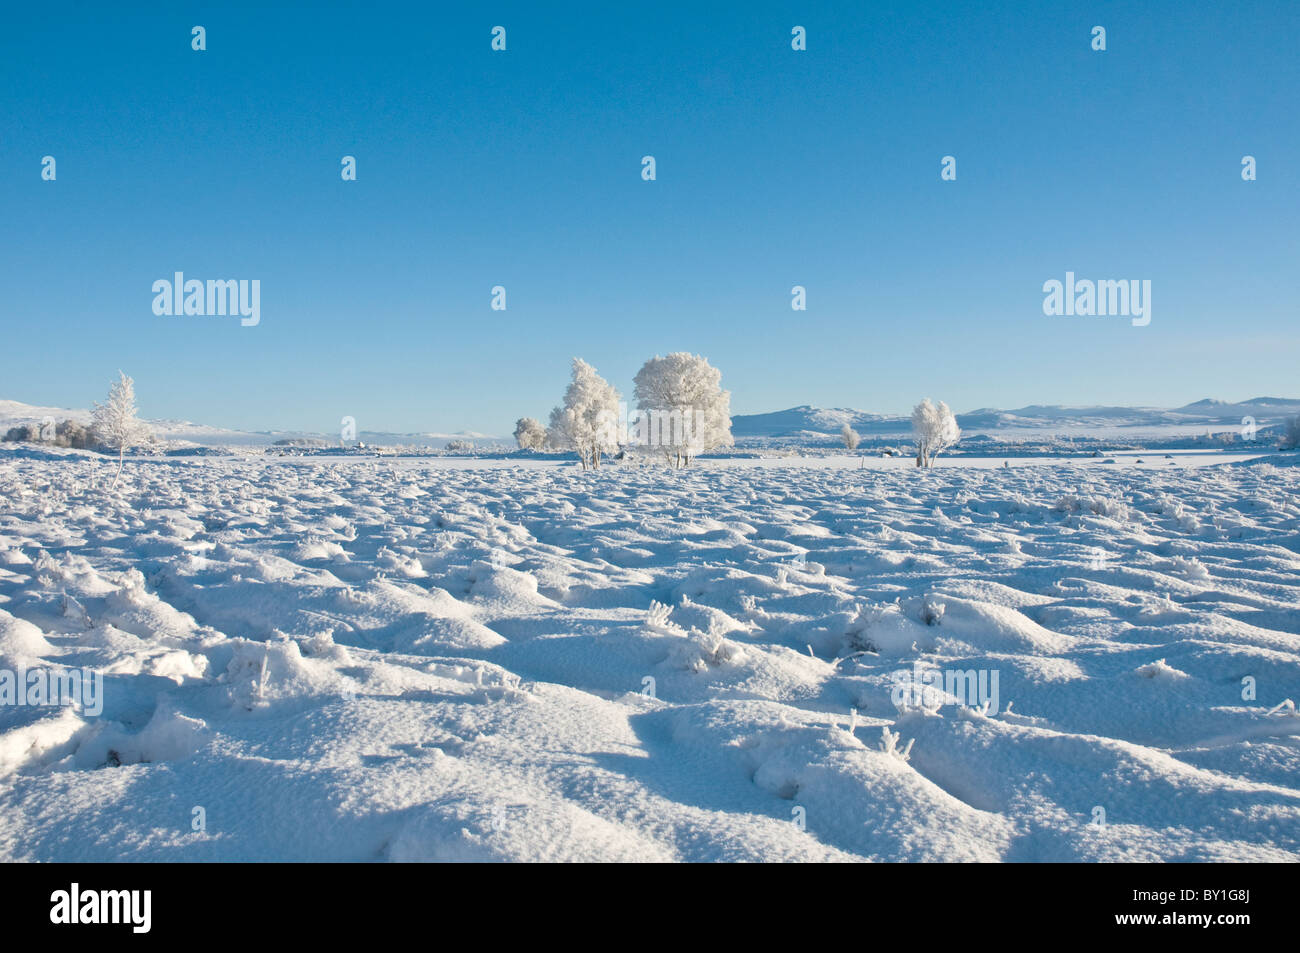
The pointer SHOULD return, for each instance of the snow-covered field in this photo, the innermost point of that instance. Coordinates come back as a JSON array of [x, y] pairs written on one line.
[[403, 660]]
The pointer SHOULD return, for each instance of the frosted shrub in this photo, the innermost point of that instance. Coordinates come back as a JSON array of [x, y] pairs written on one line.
[[1162, 670], [656, 617], [858, 638], [931, 609], [1097, 506], [1290, 439], [1018, 504], [23, 433], [889, 744], [69, 433], [1190, 569], [700, 651]]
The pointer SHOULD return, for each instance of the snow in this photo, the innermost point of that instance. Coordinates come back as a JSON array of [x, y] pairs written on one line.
[[428, 659]]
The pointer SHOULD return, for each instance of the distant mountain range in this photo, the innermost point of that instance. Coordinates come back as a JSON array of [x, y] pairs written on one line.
[[815, 423], [13, 413], [796, 425]]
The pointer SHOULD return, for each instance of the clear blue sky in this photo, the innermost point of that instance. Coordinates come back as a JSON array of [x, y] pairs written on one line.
[[522, 168]]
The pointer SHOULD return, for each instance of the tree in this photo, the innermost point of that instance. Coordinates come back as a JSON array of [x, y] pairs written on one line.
[[72, 434], [683, 409], [26, 433], [114, 423], [588, 420], [1290, 439], [529, 433], [850, 437], [935, 428]]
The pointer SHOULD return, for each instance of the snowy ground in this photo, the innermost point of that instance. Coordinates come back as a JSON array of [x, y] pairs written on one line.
[[404, 660]]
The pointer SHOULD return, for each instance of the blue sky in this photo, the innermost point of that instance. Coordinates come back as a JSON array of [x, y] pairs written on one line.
[[775, 168]]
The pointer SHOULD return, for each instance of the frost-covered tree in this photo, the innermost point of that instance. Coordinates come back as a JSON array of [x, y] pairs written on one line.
[[1290, 439], [850, 437], [683, 409], [70, 433], [936, 430], [529, 433], [24, 433], [114, 423], [587, 421]]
